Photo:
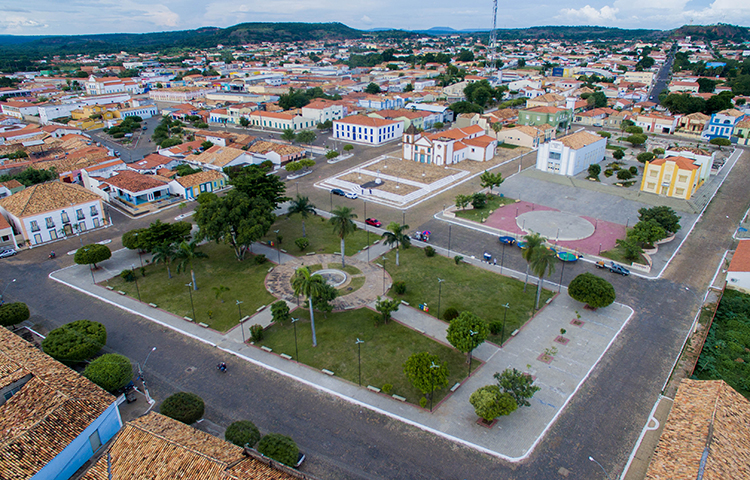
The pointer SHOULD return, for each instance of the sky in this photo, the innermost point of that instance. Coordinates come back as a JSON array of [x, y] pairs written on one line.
[[71, 17]]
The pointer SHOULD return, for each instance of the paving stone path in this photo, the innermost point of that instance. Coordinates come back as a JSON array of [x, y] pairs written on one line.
[[278, 280]]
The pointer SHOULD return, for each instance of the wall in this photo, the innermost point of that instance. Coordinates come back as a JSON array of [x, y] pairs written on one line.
[[56, 215]]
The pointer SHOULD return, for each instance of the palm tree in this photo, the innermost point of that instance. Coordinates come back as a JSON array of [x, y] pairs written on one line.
[[304, 283], [164, 253], [396, 236], [533, 242], [542, 264], [302, 206], [186, 252], [343, 226]]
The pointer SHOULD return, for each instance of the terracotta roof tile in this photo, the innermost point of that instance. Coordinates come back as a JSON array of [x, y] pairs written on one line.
[[580, 139], [682, 162], [741, 258], [199, 178], [367, 121], [134, 181], [46, 197], [265, 147]]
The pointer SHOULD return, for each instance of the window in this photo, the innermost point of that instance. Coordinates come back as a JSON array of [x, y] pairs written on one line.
[[79, 214], [50, 222], [653, 173], [34, 226], [679, 191], [53, 234], [554, 155], [5, 238], [95, 441], [682, 178], [64, 216], [651, 185], [37, 238], [94, 211], [96, 223], [82, 227]]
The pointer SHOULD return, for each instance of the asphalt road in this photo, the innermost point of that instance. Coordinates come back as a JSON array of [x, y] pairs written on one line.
[[662, 78]]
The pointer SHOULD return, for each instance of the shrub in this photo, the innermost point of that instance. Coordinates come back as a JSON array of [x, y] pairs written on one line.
[[618, 154], [645, 157], [256, 333], [449, 314], [127, 275], [633, 170], [184, 407], [496, 327], [658, 151], [387, 389], [399, 287], [110, 371], [594, 170], [604, 134], [458, 259], [260, 259], [478, 200], [608, 172], [592, 290], [76, 341], [92, 254], [280, 448], [243, 433], [13, 313], [429, 251], [624, 175], [490, 402], [302, 243], [423, 402], [280, 311]]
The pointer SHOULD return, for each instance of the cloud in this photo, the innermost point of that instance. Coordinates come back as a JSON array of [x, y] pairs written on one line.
[[157, 14], [591, 14], [366, 20], [15, 23]]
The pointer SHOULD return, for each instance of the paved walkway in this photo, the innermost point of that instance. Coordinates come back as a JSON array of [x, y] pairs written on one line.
[[513, 438]]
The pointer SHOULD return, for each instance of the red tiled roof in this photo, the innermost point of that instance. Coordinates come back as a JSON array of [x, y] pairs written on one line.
[[367, 121], [134, 181], [682, 162], [741, 258]]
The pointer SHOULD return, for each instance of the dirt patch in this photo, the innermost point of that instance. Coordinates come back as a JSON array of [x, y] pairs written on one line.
[[416, 172], [387, 186]]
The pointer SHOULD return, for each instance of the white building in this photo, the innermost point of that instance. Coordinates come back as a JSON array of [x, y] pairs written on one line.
[[322, 110], [571, 154], [144, 111], [108, 85], [738, 273], [448, 147], [362, 129]]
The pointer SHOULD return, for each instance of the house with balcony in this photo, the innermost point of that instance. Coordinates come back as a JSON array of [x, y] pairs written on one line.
[[722, 124], [676, 177], [47, 211], [555, 116], [136, 190], [692, 124], [53, 419], [571, 154], [190, 186]]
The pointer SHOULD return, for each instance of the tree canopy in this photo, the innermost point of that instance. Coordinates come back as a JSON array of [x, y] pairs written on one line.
[[663, 215], [242, 433], [490, 402], [425, 372], [76, 341], [518, 385], [184, 407], [92, 254], [280, 448], [13, 313], [592, 290], [467, 331], [254, 181], [111, 371]]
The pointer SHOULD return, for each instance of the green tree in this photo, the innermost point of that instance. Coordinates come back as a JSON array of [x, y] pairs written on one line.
[[331, 154], [309, 286], [92, 254], [255, 182], [409, 88], [478, 200], [717, 103], [426, 373], [242, 433], [466, 107], [664, 216], [160, 232], [164, 253], [302, 243], [244, 122], [372, 88], [462, 201], [490, 180], [303, 207], [111, 371], [76, 341], [13, 313], [489, 403], [396, 235], [542, 263], [288, 135], [348, 147], [645, 157], [632, 249], [280, 311], [646, 232], [466, 332], [184, 407], [592, 290], [306, 136], [185, 253], [618, 154], [720, 142], [518, 385], [533, 241], [636, 140], [386, 307], [594, 170], [207, 144], [280, 448], [343, 226], [633, 130], [706, 85]]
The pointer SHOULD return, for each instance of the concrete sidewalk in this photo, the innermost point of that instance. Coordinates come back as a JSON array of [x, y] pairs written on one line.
[[513, 438]]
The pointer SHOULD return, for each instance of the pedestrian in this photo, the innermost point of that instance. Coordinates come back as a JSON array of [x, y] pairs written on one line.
[[494, 261]]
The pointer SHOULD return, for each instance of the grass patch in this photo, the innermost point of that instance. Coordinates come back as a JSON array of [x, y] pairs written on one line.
[[493, 203], [507, 145], [617, 254], [465, 288], [319, 233], [353, 286], [351, 270], [315, 268], [244, 280], [384, 352], [614, 147]]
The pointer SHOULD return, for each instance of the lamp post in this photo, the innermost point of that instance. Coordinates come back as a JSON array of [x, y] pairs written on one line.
[[440, 292], [139, 249], [330, 194], [242, 326], [403, 217], [296, 350], [297, 184], [562, 272], [449, 239], [505, 315], [135, 277], [190, 291], [600, 466], [471, 333], [143, 379], [278, 247], [384, 259], [359, 356], [2, 295], [368, 233], [432, 382]]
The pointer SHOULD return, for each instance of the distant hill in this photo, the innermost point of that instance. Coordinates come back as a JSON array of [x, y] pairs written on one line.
[[719, 31]]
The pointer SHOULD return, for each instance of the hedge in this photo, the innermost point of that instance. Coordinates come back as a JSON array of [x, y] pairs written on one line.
[[75, 342], [280, 448], [184, 407], [243, 433], [110, 371], [13, 313]]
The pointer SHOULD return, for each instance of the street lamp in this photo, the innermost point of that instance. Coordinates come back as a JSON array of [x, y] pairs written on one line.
[[242, 327], [359, 355], [505, 315], [432, 382], [403, 217], [384, 259], [449, 239], [600, 466], [190, 291], [471, 333], [562, 272], [143, 379], [368, 233], [135, 277], [440, 292], [330, 194], [278, 248], [2, 295], [139, 249], [296, 350]]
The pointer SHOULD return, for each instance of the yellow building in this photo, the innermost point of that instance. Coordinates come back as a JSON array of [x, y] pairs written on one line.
[[90, 117], [672, 176]]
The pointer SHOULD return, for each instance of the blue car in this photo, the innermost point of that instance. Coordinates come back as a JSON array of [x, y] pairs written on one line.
[[505, 240]]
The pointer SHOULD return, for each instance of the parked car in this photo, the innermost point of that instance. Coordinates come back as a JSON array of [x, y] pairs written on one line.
[[507, 240], [300, 459], [613, 267], [338, 191], [9, 252], [353, 196], [373, 222]]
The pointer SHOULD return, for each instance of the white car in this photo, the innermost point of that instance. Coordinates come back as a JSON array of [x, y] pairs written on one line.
[[353, 196], [7, 253]]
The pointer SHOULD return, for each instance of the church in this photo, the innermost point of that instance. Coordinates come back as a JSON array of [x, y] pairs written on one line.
[[448, 147]]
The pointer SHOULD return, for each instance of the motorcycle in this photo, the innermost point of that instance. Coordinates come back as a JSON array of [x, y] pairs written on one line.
[[52, 255], [222, 367]]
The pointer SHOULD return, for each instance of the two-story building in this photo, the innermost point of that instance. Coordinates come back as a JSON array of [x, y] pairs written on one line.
[[448, 147], [671, 177], [722, 124], [321, 110], [363, 129], [571, 154], [557, 117], [280, 121]]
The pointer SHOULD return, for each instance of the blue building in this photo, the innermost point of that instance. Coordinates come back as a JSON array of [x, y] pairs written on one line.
[[53, 419], [722, 124]]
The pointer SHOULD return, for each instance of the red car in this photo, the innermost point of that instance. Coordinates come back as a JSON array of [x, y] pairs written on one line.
[[373, 222]]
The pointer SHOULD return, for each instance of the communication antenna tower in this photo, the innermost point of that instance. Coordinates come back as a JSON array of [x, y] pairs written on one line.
[[493, 35]]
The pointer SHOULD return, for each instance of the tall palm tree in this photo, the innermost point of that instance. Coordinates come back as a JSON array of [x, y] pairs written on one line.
[[343, 226], [164, 253], [542, 264], [396, 236], [304, 283], [302, 206], [533, 242], [186, 252]]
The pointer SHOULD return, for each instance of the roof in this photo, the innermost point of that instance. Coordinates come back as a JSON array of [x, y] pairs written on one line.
[[580, 139], [367, 121], [732, 112], [47, 413], [159, 448], [265, 147], [151, 161], [482, 141], [708, 419], [217, 155], [682, 162], [741, 258], [200, 178], [544, 109], [533, 132], [46, 197], [134, 181], [11, 184]]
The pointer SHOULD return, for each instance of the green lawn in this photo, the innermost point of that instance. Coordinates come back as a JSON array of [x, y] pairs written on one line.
[[507, 145], [493, 202], [244, 280], [384, 352], [319, 233], [465, 288]]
